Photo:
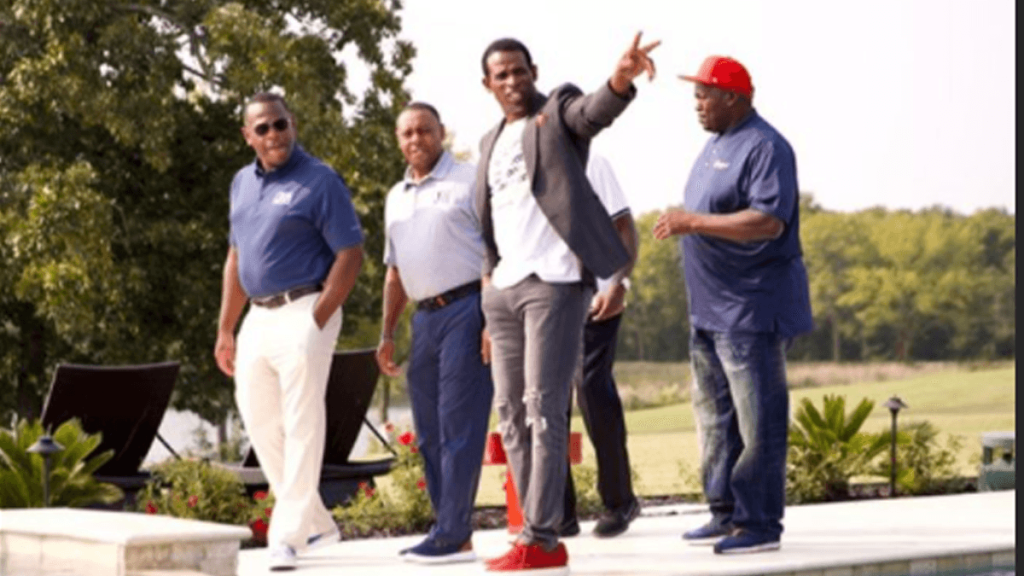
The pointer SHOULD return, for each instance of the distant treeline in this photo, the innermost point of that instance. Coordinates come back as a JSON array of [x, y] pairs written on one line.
[[885, 285]]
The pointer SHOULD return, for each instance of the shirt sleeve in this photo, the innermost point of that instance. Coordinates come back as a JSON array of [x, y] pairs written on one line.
[[603, 180], [339, 222], [389, 250], [471, 207], [232, 194], [771, 185]]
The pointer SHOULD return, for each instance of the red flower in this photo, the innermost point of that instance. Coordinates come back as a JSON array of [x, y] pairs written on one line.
[[259, 529], [413, 449], [150, 507], [193, 500], [268, 511], [421, 484], [259, 495], [389, 427], [406, 439], [365, 487]]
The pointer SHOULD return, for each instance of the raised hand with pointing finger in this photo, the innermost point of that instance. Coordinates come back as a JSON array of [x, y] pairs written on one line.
[[633, 63]]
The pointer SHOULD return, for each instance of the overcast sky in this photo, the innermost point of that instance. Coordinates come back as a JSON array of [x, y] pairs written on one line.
[[898, 103]]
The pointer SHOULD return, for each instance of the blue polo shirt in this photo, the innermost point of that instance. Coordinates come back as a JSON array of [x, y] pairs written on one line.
[[746, 286], [287, 225]]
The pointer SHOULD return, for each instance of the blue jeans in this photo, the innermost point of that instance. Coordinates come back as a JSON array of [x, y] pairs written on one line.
[[450, 391], [742, 409]]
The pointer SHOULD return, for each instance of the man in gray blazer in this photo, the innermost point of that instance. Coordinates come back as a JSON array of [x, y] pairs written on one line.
[[547, 237]]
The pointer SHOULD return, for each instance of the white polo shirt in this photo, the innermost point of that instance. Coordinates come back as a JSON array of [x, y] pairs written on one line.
[[526, 241], [433, 230]]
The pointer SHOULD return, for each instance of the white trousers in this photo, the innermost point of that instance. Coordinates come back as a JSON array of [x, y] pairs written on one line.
[[282, 362]]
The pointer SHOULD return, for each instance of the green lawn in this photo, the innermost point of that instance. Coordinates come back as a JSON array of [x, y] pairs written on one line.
[[663, 448]]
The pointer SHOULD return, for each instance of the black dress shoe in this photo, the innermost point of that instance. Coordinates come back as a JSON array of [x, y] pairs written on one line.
[[569, 529], [615, 522]]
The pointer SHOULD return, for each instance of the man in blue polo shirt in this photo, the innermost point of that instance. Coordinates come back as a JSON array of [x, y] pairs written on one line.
[[434, 252], [296, 249], [747, 285]]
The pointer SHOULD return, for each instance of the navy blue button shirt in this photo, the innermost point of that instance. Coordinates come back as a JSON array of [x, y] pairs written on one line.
[[746, 286], [288, 224]]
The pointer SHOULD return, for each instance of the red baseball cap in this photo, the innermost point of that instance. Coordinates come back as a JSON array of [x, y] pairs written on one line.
[[725, 73]]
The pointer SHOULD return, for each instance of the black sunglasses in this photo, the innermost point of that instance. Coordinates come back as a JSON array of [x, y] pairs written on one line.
[[281, 124]]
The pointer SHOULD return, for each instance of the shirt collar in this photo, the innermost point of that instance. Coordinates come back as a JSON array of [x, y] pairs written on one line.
[[740, 125], [441, 168], [297, 155]]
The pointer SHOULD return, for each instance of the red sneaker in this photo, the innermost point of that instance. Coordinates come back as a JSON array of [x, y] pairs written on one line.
[[513, 552], [534, 559]]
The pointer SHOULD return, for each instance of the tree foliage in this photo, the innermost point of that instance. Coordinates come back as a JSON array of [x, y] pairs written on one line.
[[656, 324], [884, 284], [118, 140]]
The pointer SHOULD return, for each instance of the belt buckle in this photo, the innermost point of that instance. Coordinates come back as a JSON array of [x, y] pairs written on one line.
[[439, 301]]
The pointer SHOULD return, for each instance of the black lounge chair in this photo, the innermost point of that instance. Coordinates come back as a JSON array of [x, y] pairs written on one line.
[[350, 387], [123, 403]]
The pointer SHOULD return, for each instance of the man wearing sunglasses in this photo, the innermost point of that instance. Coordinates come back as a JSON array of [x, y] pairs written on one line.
[[295, 251]]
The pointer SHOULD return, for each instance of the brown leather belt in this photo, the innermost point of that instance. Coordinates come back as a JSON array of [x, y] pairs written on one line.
[[282, 298], [442, 300]]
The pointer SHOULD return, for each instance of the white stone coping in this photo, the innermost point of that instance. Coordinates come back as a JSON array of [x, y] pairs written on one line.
[[114, 527]]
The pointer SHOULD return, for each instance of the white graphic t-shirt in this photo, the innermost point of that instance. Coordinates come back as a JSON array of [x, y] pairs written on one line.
[[527, 243]]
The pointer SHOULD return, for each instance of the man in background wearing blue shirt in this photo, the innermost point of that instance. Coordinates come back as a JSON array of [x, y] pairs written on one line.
[[296, 249], [748, 295], [434, 252]]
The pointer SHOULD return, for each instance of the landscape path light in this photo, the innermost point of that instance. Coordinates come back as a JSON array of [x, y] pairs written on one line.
[[46, 447], [894, 405]]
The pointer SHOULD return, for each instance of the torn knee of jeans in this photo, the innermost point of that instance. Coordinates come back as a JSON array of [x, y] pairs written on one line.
[[542, 420]]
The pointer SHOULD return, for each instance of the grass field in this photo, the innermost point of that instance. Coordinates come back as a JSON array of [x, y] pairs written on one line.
[[958, 400]]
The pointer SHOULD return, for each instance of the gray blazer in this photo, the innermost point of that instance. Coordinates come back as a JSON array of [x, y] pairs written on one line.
[[556, 151]]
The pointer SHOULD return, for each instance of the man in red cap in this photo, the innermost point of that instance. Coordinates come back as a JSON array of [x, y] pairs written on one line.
[[740, 235]]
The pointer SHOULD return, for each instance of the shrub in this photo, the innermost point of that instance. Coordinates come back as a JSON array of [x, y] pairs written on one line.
[[923, 466], [259, 518], [403, 509], [71, 469], [827, 448], [194, 489], [588, 500]]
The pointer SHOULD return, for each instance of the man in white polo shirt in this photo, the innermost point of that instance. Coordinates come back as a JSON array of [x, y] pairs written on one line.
[[433, 253]]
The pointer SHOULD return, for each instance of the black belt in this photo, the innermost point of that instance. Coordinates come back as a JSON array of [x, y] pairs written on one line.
[[442, 300], [282, 298]]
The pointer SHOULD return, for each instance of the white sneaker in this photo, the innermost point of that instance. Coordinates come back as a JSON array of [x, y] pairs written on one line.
[[282, 557], [323, 539]]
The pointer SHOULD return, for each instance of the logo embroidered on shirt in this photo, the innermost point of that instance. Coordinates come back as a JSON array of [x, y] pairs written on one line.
[[282, 198], [720, 164]]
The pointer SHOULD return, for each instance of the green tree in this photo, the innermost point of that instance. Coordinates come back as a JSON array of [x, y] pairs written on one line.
[[893, 292], [656, 324], [118, 141], [833, 245], [932, 284]]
